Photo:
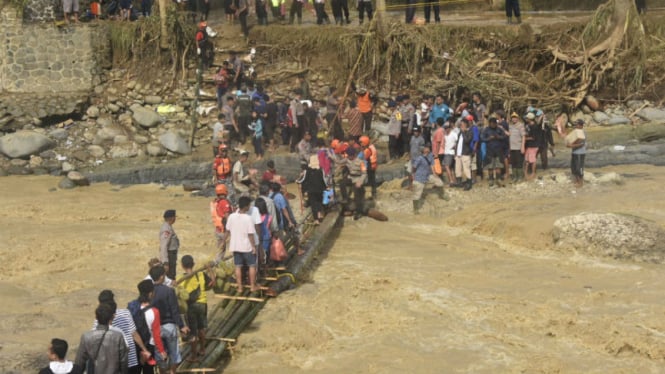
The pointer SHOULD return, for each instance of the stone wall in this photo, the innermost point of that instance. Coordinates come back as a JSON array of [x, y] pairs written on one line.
[[42, 10], [41, 57]]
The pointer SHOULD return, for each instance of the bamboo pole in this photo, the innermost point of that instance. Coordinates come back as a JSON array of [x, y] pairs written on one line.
[[243, 298]]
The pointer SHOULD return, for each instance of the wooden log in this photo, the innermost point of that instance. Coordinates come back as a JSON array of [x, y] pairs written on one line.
[[228, 340], [244, 298], [197, 370], [263, 288], [324, 234]]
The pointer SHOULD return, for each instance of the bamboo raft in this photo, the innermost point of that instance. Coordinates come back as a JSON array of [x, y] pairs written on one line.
[[236, 311]]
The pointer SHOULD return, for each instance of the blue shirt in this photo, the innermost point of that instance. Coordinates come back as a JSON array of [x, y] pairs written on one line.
[[422, 168], [581, 150], [280, 204], [257, 127], [439, 111]]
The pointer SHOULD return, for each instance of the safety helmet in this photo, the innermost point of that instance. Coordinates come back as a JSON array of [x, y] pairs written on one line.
[[364, 140], [334, 143], [469, 118], [222, 147], [220, 189], [203, 25]]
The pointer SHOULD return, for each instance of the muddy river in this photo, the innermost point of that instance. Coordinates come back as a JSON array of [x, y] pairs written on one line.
[[475, 286]]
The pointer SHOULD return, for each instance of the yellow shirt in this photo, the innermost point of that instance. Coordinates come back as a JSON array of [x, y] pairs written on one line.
[[193, 283]]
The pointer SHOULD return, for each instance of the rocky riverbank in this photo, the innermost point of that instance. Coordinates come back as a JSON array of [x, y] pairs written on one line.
[[126, 131]]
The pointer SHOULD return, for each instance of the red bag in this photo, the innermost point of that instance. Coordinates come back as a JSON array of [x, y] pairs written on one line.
[[277, 250]]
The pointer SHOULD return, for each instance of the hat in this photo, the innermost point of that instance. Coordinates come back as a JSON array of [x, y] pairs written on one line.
[[530, 115], [244, 152], [514, 115], [169, 213], [187, 261], [579, 122], [105, 296]]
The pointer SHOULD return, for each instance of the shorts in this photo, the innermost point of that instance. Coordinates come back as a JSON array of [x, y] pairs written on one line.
[[530, 155], [419, 187], [448, 160], [125, 4], [170, 339], [577, 165], [244, 259], [494, 159], [474, 163], [197, 316], [70, 6]]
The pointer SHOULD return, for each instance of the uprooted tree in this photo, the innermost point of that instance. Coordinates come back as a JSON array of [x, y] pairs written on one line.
[[612, 55]]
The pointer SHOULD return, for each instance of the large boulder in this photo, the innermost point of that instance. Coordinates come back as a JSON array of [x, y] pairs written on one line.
[[615, 235], [22, 144], [652, 114], [145, 117], [175, 143]]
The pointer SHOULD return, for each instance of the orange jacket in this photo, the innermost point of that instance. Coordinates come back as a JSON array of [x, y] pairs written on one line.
[[364, 103], [371, 157], [220, 210]]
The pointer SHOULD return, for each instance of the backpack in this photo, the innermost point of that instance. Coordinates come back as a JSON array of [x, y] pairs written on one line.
[[244, 106], [138, 315]]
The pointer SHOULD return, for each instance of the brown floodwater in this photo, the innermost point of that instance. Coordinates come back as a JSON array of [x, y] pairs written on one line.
[[476, 286]]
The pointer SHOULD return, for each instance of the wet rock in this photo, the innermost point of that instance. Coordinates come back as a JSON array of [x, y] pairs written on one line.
[[175, 143], [592, 102], [104, 121], [39, 171], [67, 167], [140, 139], [92, 112], [78, 178], [96, 151], [124, 151], [145, 117], [50, 154], [155, 150], [18, 162], [66, 184], [22, 144], [120, 139], [113, 108], [652, 114], [600, 117], [615, 235], [35, 162], [81, 155], [59, 134], [18, 170], [110, 131], [153, 99]]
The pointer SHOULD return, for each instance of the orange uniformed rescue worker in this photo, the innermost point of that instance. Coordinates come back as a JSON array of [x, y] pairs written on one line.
[[220, 208], [221, 169], [371, 159]]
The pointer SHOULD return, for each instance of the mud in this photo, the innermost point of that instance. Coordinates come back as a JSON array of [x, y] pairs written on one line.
[[474, 286]]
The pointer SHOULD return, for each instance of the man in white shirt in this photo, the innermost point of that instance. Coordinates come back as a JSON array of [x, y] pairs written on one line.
[[242, 230]]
